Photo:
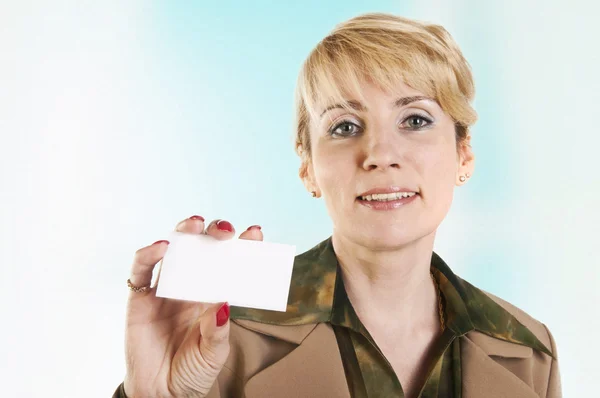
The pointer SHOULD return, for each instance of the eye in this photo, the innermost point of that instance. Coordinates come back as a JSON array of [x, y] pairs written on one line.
[[416, 122], [345, 129]]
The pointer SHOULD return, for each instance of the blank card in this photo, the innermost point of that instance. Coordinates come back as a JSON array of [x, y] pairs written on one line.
[[244, 273]]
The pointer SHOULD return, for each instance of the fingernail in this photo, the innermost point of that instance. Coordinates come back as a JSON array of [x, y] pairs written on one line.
[[197, 218], [161, 241], [225, 226], [223, 315], [254, 226]]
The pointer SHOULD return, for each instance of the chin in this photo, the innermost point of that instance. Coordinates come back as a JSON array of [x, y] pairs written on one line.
[[386, 238]]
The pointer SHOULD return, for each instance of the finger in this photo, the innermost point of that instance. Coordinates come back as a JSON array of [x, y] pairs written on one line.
[[214, 335], [191, 225], [253, 232], [144, 261], [220, 229], [205, 348]]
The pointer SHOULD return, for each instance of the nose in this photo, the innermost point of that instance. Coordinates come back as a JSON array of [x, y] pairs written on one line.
[[381, 151]]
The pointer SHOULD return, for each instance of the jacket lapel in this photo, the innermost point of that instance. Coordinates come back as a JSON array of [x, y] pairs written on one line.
[[313, 369], [317, 359], [484, 377]]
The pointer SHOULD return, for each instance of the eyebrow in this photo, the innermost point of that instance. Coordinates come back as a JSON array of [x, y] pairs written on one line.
[[403, 101]]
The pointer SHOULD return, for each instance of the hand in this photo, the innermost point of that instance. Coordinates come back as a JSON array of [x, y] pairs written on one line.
[[175, 348]]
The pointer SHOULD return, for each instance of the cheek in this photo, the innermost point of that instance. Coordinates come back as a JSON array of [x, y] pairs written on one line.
[[439, 172], [334, 171]]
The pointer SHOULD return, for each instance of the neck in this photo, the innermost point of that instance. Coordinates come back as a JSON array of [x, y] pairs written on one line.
[[390, 289]]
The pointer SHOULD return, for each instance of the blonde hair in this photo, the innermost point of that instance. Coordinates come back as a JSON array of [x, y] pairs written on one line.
[[384, 49]]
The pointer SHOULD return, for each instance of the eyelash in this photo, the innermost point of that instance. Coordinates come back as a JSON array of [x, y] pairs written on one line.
[[343, 122]]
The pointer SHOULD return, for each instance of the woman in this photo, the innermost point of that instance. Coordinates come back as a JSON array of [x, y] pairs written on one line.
[[383, 118]]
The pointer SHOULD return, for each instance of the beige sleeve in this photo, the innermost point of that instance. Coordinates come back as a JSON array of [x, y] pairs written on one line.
[[554, 389]]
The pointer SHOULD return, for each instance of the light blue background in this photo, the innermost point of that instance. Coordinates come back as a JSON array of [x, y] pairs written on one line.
[[118, 119]]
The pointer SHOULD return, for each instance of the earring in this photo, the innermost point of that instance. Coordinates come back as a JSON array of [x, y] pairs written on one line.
[[314, 194], [463, 178]]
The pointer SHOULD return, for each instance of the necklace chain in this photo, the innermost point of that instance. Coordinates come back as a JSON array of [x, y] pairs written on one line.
[[439, 296]]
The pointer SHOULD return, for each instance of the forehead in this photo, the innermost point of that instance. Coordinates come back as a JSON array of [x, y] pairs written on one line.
[[365, 92]]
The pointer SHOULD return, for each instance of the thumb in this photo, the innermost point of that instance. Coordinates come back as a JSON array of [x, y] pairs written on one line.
[[214, 335]]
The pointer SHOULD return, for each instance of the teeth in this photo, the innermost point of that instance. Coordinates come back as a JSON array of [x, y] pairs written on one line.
[[384, 197]]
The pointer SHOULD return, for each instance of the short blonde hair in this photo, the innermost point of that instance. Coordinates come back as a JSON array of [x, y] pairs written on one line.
[[384, 49]]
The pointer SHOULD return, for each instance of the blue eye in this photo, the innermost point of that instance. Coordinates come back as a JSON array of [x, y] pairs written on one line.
[[344, 129], [417, 122]]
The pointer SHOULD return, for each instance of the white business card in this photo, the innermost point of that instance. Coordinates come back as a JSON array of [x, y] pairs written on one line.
[[244, 273]]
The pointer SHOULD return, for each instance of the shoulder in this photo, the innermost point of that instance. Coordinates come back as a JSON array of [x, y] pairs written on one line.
[[540, 370], [490, 315], [539, 329]]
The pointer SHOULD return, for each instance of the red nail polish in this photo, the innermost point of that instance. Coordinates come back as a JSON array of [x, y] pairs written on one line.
[[223, 315], [197, 218], [161, 241], [254, 226], [225, 226]]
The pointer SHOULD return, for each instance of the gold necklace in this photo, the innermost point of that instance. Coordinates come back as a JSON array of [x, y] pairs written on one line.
[[439, 296]]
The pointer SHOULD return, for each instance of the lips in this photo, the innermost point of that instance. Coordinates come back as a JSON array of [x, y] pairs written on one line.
[[387, 204]]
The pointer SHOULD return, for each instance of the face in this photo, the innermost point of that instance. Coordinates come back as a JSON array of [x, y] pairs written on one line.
[[390, 142]]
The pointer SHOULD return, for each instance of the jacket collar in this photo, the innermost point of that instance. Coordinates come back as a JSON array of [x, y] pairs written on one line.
[[484, 376], [311, 301]]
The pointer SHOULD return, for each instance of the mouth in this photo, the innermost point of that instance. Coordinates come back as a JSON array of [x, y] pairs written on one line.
[[386, 197]]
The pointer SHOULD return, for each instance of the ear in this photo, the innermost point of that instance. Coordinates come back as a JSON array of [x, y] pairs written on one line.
[[466, 159], [307, 175]]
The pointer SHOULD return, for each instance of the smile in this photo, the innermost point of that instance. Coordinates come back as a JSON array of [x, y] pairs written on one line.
[[387, 201], [386, 197]]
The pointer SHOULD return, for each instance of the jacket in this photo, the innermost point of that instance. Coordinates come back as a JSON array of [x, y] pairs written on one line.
[[504, 352]]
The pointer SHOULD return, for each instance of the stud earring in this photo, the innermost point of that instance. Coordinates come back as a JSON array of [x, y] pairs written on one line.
[[463, 178], [314, 194]]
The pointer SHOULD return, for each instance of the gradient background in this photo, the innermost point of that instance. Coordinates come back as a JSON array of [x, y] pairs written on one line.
[[120, 118]]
